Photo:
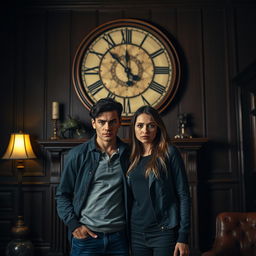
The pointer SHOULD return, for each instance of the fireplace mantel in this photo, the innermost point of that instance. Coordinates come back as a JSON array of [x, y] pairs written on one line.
[[56, 150]]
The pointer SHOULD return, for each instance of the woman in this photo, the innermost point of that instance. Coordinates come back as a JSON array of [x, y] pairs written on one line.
[[160, 215]]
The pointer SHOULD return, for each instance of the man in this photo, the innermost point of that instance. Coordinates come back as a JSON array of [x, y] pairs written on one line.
[[91, 196]]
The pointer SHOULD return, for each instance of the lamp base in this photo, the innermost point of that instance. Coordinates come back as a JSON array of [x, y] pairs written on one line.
[[20, 245]]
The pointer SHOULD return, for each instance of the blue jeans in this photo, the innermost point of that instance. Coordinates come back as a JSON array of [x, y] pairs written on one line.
[[106, 244], [157, 243]]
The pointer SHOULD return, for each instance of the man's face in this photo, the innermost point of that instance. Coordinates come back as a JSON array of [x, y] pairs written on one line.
[[106, 126]]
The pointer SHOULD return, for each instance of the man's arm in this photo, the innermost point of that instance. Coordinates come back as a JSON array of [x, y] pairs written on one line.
[[65, 193]]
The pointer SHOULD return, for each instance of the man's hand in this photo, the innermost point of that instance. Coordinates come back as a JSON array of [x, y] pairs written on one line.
[[181, 249], [83, 232]]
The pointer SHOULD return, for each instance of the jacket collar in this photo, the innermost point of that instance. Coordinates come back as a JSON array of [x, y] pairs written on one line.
[[151, 178], [120, 144]]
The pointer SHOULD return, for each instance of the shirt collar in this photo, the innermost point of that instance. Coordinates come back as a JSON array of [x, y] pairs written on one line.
[[121, 146]]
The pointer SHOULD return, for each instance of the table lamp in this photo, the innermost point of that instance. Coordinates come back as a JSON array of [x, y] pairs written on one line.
[[19, 149]]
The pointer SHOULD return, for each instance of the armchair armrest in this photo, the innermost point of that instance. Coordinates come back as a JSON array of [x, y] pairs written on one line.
[[224, 246]]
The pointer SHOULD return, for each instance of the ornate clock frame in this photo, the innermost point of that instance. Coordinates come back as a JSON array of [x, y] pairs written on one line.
[[130, 60]]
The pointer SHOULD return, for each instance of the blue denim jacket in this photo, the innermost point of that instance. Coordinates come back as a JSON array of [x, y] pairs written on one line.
[[170, 196], [80, 166]]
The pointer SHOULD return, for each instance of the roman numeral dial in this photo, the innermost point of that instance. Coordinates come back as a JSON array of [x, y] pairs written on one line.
[[129, 60]]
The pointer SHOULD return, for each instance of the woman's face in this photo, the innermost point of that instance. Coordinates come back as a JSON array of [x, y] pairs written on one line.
[[145, 129]]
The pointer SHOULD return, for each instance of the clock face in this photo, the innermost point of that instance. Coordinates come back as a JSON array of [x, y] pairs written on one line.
[[130, 61]]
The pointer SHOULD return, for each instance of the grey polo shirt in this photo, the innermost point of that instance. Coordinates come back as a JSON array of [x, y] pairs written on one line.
[[104, 209]]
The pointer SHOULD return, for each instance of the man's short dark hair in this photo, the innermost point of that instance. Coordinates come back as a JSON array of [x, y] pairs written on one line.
[[106, 105]]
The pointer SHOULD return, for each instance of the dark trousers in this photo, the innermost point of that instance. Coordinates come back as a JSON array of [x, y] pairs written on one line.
[[106, 244], [157, 243]]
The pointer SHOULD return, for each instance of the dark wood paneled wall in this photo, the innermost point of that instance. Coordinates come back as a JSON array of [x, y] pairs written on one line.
[[215, 41]]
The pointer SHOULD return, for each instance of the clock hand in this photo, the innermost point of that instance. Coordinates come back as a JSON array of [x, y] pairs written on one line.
[[127, 58], [115, 57], [129, 73], [135, 77], [126, 69], [132, 76], [129, 82]]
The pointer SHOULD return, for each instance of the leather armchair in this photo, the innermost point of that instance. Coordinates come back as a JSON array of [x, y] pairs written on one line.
[[235, 235]]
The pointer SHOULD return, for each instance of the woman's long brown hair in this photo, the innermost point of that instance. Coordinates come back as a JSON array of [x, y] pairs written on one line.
[[160, 144]]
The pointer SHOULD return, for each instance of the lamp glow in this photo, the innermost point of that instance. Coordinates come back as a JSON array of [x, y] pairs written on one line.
[[19, 147]]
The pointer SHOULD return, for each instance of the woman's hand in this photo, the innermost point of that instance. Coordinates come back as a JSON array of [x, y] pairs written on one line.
[[83, 232], [181, 249]]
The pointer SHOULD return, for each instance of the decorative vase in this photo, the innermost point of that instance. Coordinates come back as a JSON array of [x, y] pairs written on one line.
[[20, 245]]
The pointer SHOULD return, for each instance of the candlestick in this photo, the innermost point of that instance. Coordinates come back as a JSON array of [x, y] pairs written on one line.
[[55, 110], [55, 130], [182, 127], [55, 117]]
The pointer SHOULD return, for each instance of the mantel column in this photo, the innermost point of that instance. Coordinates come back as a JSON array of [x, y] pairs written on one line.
[[189, 149], [55, 151]]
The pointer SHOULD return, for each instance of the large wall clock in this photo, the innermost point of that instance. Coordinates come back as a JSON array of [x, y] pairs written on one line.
[[130, 60]]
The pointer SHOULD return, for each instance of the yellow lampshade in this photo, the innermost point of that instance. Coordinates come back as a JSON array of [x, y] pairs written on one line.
[[19, 147]]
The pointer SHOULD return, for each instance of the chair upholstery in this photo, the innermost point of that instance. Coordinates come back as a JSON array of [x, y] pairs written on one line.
[[235, 235]]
